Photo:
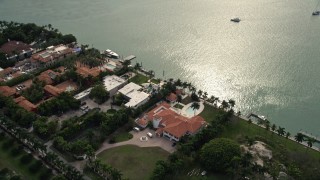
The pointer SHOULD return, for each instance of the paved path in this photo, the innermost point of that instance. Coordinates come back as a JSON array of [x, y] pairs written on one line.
[[161, 142]]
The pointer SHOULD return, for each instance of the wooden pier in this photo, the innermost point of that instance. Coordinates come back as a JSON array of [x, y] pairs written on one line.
[[129, 58]]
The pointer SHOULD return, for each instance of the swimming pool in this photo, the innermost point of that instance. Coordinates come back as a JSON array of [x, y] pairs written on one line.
[[190, 112]]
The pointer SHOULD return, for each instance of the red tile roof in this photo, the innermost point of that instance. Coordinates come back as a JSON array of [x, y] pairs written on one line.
[[23, 102], [7, 91], [48, 76], [14, 46], [172, 97], [85, 71], [52, 90], [171, 122]]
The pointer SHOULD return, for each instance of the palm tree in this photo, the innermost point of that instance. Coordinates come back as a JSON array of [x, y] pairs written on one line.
[[115, 174], [288, 135], [299, 137], [205, 95], [200, 93], [273, 127], [310, 142], [225, 104], [280, 131], [195, 106], [211, 99], [268, 126], [232, 103]]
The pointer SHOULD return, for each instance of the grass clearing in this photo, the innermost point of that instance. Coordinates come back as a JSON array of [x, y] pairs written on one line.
[[209, 112], [122, 136], [139, 79], [186, 100], [155, 81], [134, 162]]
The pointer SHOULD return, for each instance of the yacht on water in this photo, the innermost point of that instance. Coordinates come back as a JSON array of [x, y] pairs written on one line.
[[235, 20], [262, 117], [111, 54]]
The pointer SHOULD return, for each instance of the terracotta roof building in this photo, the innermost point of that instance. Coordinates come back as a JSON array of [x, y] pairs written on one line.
[[85, 71], [7, 91], [16, 49], [51, 90], [170, 124], [50, 55], [48, 76], [23, 102]]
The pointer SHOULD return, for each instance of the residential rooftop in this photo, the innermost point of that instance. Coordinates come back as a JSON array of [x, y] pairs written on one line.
[[111, 82]]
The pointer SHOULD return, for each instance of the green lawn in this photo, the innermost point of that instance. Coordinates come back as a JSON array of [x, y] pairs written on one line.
[[155, 81], [7, 160], [122, 136], [238, 129], [186, 100], [139, 79], [209, 112], [134, 162]]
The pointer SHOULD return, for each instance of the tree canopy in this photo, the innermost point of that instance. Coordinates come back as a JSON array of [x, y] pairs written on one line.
[[99, 94], [217, 154]]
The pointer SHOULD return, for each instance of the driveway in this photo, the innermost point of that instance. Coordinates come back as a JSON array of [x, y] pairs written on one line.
[[155, 141]]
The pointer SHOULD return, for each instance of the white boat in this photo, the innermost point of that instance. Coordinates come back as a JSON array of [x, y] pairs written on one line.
[[111, 54], [262, 117], [236, 20]]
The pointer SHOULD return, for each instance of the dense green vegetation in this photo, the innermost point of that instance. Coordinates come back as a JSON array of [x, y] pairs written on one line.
[[300, 161], [134, 162], [60, 104], [218, 154], [41, 36], [99, 94], [14, 158], [30, 32], [35, 93], [16, 113]]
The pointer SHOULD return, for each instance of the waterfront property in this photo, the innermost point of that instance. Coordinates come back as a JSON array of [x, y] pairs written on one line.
[[51, 55], [170, 124], [16, 50], [134, 94], [113, 83]]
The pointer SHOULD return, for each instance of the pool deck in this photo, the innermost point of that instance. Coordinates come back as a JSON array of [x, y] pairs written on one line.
[[198, 111]]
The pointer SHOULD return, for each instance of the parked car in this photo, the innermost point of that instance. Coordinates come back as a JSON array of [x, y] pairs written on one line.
[[149, 134], [136, 129]]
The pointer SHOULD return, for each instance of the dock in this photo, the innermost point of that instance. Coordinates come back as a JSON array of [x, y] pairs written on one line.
[[129, 58], [256, 116], [310, 135]]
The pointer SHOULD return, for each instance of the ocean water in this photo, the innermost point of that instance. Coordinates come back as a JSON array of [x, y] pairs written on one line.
[[269, 62]]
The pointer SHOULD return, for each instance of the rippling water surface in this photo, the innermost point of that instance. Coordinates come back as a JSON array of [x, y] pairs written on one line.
[[269, 62]]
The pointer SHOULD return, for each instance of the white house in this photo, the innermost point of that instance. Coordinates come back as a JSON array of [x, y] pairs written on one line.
[[134, 95]]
